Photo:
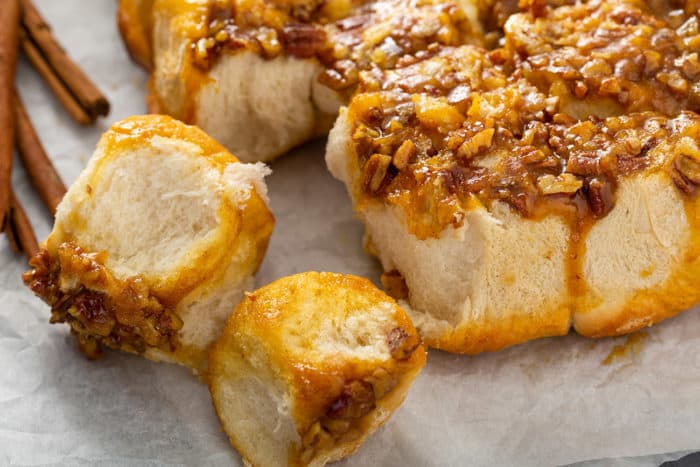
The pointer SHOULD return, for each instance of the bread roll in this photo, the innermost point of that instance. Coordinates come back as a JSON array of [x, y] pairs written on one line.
[[552, 183], [265, 76], [154, 243], [310, 365]]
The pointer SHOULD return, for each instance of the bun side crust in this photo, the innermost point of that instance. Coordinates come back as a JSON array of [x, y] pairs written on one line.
[[338, 356], [656, 281], [285, 66], [163, 222], [638, 265], [135, 21]]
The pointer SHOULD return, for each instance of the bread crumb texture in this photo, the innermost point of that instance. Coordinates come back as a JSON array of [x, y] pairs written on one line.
[[548, 182], [154, 242], [309, 365]]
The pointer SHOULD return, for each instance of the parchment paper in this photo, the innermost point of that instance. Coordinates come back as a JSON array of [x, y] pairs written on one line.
[[544, 403]]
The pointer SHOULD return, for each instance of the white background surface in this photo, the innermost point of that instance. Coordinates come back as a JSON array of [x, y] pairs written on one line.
[[544, 403]]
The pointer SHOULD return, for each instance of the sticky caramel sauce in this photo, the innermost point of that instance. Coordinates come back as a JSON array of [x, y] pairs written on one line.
[[634, 343], [528, 125]]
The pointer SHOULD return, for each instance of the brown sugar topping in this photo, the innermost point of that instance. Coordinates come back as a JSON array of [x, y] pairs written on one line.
[[346, 37], [581, 94], [102, 311]]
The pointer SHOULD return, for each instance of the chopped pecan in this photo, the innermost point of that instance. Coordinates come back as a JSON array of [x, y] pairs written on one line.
[[356, 400], [343, 75], [565, 183], [600, 196], [476, 144], [694, 97], [459, 95], [580, 164], [382, 382], [303, 40], [689, 167], [375, 172], [536, 8], [394, 284], [101, 309], [401, 343], [404, 154]]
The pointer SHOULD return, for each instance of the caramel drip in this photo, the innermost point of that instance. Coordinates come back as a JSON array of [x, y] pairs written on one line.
[[575, 257]]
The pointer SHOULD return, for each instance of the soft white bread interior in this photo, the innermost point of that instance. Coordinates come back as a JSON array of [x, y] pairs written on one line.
[[258, 108], [155, 242], [261, 106], [501, 279], [309, 365]]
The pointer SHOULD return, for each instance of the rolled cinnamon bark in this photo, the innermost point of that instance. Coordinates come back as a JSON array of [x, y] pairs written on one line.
[[19, 230], [9, 42], [62, 93], [83, 89], [43, 174]]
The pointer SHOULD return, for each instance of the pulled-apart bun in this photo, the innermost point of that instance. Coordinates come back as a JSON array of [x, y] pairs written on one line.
[[154, 242], [309, 365]]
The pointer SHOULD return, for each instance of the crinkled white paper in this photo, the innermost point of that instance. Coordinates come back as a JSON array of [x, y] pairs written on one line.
[[544, 403]]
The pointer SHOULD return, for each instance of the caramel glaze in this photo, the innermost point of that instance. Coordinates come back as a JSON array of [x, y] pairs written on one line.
[[574, 96], [346, 36], [452, 125], [102, 311], [346, 416]]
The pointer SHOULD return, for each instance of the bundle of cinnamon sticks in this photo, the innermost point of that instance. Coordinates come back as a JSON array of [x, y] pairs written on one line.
[[21, 25]]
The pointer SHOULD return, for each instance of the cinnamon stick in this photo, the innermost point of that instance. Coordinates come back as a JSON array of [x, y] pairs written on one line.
[[42, 172], [85, 92], [64, 96], [9, 42], [19, 230]]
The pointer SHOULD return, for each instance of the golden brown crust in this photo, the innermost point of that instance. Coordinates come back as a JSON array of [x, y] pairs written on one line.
[[335, 396], [138, 130], [145, 313], [346, 36], [646, 307], [433, 135], [135, 21], [607, 57], [451, 130]]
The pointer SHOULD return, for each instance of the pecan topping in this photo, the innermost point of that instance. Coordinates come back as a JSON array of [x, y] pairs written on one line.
[[357, 400], [375, 171], [600, 197], [404, 154], [401, 344], [394, 284], [303, 40], [100, 309], [476, 144], [482, 147], [562, 184]]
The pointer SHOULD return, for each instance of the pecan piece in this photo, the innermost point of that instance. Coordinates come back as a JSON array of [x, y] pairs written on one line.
[[565, 183], [694, 97], [303, 40], [343, 75], [476, 144], [404, 154], [401, 343], [536, 8], [600, 197], [382, 382], [356, 400], [375, 172], [584, 165], [688, 167], [394, 284]]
